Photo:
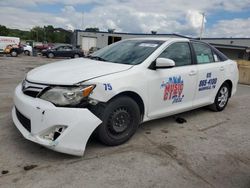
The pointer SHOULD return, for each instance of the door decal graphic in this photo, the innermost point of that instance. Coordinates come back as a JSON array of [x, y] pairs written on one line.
[[173, 88], [208, 83]]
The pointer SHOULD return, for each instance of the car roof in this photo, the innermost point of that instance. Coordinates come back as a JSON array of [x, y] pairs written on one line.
[[60, 45], [160, 38]]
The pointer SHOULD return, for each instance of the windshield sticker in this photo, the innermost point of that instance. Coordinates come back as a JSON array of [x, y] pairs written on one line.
[[150, 45], [208, 83], [203, 58], [107, 87], [173, 88]]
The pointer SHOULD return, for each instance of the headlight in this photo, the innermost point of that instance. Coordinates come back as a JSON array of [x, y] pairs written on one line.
[[67, 96]]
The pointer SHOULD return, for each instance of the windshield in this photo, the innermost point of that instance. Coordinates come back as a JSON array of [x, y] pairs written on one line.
[[130, 52]]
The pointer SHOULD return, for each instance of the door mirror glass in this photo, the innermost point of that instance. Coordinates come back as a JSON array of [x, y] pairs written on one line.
[[164, 63]]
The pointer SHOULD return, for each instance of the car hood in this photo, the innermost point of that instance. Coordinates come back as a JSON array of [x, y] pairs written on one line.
[[73, 71]]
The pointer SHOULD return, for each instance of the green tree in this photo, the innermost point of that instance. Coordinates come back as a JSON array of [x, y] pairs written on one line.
[[37, 34], [92, 29], [4, 31], [49, 33], [40, 34]]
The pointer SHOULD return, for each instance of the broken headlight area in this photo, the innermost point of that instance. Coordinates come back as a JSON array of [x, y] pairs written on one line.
[[53, 133], [68, 96]]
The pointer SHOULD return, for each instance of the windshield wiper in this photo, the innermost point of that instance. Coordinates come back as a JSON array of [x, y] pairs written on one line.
[[96, 58]]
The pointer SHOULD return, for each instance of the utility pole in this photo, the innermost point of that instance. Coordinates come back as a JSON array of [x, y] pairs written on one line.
[[82, 20], [44, 29], [202, 24]]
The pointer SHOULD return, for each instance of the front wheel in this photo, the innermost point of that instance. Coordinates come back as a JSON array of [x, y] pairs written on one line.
[[50, 55], [13, 53], [120, 118], [221, 99]]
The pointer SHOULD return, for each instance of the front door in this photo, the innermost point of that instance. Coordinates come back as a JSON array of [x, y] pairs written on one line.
[[172, 90]]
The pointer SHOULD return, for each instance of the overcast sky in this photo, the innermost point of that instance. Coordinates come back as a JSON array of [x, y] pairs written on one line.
[[224, 18]]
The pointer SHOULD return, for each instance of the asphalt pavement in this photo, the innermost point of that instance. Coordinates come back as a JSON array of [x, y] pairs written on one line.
[[210, 149]]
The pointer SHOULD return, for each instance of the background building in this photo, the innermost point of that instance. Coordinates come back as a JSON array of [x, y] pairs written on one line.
[[234, 48]]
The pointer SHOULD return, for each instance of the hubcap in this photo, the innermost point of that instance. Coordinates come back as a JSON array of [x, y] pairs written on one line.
[[119, 121], [14, 53], [223, 97]]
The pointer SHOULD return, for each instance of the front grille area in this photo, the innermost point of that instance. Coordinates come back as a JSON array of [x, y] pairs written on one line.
[[32, 89], [31, 93], [23, 120]]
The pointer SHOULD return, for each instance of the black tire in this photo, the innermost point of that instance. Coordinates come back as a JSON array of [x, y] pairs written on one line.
[[76, 55], [221, 99], [50, 55], [26, 52], [13, 53], [120, 121]]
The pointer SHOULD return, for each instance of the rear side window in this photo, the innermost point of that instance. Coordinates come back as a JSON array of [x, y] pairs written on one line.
[[220, 55], [203, 53], [67, 48], [179, 52]]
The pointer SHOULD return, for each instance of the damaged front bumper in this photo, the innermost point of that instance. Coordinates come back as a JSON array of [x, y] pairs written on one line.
[[38, 120]]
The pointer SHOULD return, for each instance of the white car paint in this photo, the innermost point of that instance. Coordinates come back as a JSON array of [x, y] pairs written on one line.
[[112, 79], [77, 70], [28, 48], [78, 121]]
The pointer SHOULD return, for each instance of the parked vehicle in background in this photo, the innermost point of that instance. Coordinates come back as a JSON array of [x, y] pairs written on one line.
[[42, 46], [10, 45], [93, 49], [63, 51], [30, 43], [27, 49]]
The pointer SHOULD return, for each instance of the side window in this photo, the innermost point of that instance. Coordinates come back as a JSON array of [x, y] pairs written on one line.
[[67, 48], [60, 48], [203, 53], [179, 52]]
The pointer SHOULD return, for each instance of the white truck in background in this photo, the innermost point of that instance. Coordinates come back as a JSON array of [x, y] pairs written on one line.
[[10, 45]]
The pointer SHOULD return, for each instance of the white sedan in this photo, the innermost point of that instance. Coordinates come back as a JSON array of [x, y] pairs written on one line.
[[27, 49], [59, 105]]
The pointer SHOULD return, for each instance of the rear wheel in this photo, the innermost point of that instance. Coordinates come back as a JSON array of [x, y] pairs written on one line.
[[221, 99], [76, 56], [120, 119], [26, 52]]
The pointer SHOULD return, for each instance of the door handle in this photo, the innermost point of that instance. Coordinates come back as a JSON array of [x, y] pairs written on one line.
[[192, 73], [222, 68]]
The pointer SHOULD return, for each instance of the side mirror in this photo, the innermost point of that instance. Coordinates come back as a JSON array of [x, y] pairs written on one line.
[[164, 63]]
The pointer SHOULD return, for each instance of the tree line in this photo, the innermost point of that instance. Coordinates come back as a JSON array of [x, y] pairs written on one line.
[[39, 34]]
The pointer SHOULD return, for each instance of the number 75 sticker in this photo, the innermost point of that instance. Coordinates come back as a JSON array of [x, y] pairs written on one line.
[[107, 87]]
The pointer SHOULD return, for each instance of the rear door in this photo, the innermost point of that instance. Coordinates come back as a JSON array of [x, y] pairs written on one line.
[[210, 73], [68, 51], [172, 90]]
